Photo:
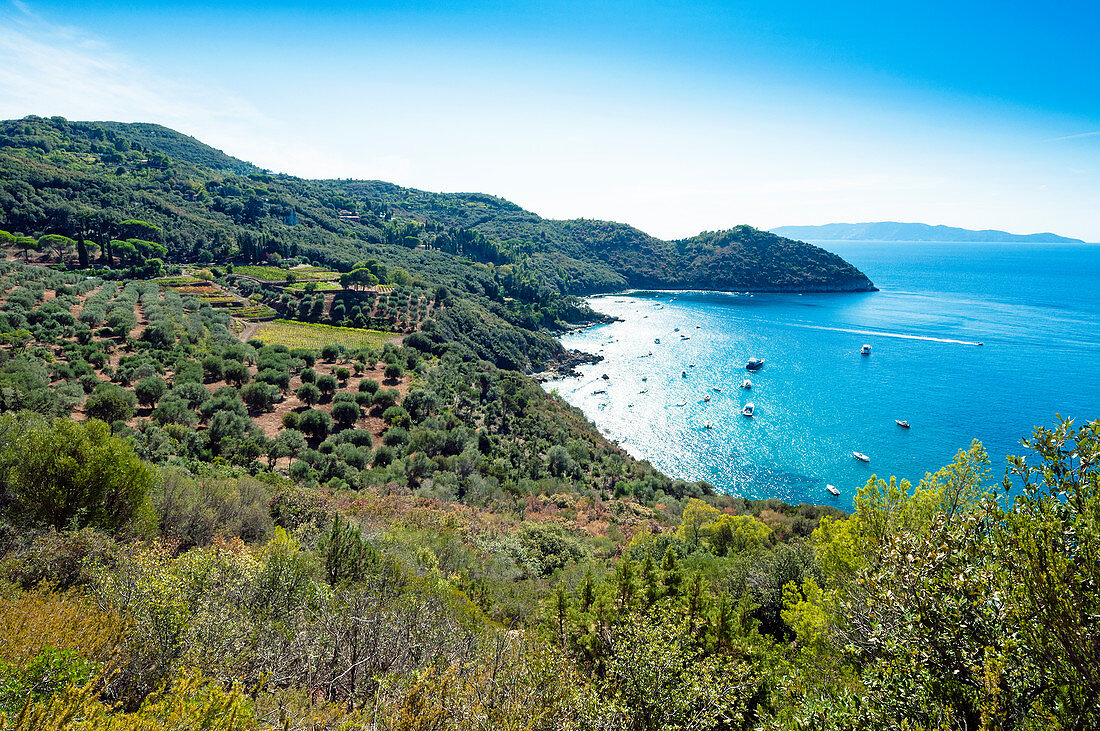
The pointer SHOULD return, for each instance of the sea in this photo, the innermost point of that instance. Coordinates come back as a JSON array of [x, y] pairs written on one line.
[[969, 341]]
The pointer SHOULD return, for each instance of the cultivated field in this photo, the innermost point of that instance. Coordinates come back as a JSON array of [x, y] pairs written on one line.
[[310, 335]]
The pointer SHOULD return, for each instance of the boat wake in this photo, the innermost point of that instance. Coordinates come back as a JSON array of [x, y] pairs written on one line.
[[904, 336]]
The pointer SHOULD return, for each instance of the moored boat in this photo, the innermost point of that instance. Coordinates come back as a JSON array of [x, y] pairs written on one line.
[[746, 384], [832, 489], [749, 409], [861, 456], [865, 350], [755, 364]]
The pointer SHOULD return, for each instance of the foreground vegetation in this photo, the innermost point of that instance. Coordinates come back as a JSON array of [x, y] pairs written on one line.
[[209, 522]]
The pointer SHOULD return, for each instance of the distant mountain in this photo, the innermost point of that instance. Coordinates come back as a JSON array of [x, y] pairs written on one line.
[[893, 231]]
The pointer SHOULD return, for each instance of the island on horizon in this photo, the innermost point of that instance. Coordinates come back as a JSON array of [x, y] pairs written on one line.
[[895, 231]]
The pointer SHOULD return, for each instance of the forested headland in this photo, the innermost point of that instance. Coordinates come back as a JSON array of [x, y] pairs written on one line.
[[271, 457]]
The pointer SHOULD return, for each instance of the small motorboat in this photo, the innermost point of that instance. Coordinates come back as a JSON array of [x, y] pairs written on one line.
[[597, 393], [657, 341], [707, 425], [903, 424], [682, 403], [861, 456], [755, 364], [683, 374], [865, 350], [746, 384], [749, 409], [832, 489], [675, 329], [606, 377], [715, 388], [706, 398]]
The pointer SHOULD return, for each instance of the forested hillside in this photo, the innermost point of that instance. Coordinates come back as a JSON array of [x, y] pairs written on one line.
[[270, 459]]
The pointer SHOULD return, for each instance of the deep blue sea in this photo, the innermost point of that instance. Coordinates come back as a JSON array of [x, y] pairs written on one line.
[[1035, 308]]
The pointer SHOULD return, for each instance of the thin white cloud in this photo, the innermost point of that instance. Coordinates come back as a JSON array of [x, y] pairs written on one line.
[[1075, 137]]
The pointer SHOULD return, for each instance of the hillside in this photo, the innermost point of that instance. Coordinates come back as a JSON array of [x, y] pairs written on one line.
[[269, 460], [742, 258], [206, 201], [892, 231]]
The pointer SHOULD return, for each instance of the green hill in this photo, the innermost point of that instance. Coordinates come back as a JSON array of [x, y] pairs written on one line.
[[208, 201]]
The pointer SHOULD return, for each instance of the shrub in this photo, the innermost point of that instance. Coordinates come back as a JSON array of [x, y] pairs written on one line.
[[308, 393], [327, 384], [395, 437], [259, 396], [149, 390], [237, 372], [110, 403], [316, 424], [69, 474], [345, 413]]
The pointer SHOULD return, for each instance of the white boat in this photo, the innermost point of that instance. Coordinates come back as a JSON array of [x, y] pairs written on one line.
[[707, 397], [715, 388], [707, 425], [746, 384], [832, 489], [749, 408], [902, 423], [865, 350], [861, 456], [755, 364]]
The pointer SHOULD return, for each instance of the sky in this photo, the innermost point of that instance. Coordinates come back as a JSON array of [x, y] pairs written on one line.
[[673, 117]]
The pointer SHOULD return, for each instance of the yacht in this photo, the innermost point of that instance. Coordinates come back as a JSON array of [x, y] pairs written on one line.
[[755, 364], [861, 456], [903, 424], [865, 350], [832, 489], [746, 384], [749, 408]]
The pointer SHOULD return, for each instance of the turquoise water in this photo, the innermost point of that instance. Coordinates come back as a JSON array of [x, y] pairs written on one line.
[[1035, 308]]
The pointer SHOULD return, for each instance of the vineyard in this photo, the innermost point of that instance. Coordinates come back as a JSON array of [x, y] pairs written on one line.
[[312, 335]]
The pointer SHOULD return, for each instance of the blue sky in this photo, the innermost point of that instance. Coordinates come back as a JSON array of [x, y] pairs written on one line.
[[672, 117]]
